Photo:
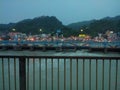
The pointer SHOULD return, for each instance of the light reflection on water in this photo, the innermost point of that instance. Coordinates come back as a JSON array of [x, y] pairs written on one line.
[[61, 74]]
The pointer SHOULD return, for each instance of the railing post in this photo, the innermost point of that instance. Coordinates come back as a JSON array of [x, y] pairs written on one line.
[[22, 73]]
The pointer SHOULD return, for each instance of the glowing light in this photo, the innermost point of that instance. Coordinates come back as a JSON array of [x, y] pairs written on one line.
[[32, 39], [0, 39], [82, 35], [111, 31], [81, 30], [40, 30], [13, 29]]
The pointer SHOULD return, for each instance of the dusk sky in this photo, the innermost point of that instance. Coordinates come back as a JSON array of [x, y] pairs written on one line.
[[67, 11]]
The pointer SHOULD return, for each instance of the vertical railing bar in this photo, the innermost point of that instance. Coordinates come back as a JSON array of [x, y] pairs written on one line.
[[64, 74], [33, 73], [83, 74], [22, 72], [90, 74], [96, 74], [52, 73], [77, 74], [46, 72], [27, 73], [9, 72], [109, 74], [15, 73], [116, 74], [3, 74], [39, 73], [70, 73], [103, 74], [58, 73]]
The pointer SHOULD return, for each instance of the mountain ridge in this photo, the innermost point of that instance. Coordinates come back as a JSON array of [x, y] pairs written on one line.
[[78, 25], [47, 23], [50, 24]]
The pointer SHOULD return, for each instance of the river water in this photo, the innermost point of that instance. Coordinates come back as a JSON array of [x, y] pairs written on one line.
[[61, 69]]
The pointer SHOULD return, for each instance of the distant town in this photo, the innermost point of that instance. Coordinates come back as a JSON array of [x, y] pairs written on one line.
[[108, 36]]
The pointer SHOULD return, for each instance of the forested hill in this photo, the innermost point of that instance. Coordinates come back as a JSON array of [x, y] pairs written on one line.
[[50, 24], [93, 27], [46, 23], [78, 25]]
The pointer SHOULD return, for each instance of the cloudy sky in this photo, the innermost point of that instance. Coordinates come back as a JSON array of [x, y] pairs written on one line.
[[67, 11]]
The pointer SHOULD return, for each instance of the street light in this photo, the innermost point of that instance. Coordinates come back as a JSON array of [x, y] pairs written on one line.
[[81, 30], [13, 29], [40, 30], [111, 32]]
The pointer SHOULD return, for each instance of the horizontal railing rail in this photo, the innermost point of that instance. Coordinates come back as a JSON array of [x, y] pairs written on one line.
[[73, 57], [59, 73]]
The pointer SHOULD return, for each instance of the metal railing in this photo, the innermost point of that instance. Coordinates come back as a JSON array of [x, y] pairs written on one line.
[[59, 73]]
